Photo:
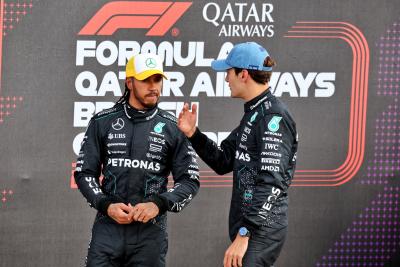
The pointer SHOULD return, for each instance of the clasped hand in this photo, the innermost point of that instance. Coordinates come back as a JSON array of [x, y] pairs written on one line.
[[126, 214]]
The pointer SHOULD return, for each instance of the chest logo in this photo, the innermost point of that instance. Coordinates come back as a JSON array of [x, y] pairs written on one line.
[[118, 124], [273, 124], [159, 127]]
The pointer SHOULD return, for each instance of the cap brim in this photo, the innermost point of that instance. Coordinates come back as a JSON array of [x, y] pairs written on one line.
[[220, 65], [146, 74]]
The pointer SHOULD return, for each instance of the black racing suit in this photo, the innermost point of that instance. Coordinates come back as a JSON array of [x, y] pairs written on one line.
[[135, 151], [261, 152]]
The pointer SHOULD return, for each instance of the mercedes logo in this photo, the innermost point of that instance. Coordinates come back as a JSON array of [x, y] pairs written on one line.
[[118, 124], [151, 63]]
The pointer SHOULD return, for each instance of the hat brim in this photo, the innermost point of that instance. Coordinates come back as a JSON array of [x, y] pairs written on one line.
[[220, 65], [146, 74]]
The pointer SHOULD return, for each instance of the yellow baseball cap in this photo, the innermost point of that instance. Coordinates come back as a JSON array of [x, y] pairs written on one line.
[[143, 66]]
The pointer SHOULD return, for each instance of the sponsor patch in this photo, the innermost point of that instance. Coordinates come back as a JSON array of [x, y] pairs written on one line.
[[273, 124]]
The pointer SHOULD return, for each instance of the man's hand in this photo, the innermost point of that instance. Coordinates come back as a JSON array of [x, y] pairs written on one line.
[[234, 254], [187, 120], [144, 212], [120, 213]]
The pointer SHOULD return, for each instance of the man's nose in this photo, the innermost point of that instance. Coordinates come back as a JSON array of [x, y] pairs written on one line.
[[152, 85]]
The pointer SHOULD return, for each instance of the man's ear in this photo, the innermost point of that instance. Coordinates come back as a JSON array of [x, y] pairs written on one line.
[[128, 82], [244, 74]]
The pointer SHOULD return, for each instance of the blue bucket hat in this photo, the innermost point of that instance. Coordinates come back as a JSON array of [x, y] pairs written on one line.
[[248, 55]]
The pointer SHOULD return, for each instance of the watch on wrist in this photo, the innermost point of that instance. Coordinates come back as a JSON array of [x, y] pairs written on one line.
[[244, 232]]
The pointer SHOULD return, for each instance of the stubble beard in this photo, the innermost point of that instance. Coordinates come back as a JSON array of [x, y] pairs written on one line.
[[142, 101]]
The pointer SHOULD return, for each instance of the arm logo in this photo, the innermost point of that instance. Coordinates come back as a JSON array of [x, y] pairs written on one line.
[[158, 17]]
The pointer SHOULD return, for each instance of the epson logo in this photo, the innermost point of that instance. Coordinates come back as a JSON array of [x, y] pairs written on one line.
[[134, 163]]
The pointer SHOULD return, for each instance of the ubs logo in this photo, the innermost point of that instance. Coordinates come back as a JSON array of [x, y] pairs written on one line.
[[118, 124]]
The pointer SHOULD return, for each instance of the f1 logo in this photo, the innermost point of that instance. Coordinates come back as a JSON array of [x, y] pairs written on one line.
[[159, 17]]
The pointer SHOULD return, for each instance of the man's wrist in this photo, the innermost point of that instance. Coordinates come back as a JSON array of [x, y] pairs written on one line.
[[244, 238], [158, 202], [195, 136], [244, 232], [104, 205], [190, 133]]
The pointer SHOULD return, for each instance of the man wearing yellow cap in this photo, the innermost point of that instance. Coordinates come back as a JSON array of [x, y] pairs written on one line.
[[135, 146]]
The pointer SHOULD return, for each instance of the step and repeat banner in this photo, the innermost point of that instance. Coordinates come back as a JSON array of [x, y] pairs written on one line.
[[338, 70]]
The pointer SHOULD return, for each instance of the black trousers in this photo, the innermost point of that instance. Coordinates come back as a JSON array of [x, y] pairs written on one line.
[[131, 245], [264, 247]]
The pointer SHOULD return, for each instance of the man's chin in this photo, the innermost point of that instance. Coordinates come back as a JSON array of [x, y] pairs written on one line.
[[150, 105]]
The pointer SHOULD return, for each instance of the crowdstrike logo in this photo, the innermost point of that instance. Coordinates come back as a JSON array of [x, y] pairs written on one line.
[[158, 17]]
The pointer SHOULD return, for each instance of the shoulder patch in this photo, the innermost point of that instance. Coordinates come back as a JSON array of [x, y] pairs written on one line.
[[168, 116], [107, 112]]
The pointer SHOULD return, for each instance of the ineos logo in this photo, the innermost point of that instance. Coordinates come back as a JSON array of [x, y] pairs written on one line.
[[118, 124]]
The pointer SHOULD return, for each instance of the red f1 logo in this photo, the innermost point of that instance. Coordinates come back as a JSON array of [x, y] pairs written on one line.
[[158, 16]]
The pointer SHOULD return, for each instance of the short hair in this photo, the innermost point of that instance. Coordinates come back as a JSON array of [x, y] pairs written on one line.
[[259, 76]]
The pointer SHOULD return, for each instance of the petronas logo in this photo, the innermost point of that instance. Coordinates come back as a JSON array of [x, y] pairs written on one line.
[[273, 124], [158, 128]]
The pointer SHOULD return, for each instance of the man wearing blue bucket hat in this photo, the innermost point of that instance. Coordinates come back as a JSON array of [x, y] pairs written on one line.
[[261, 152]]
